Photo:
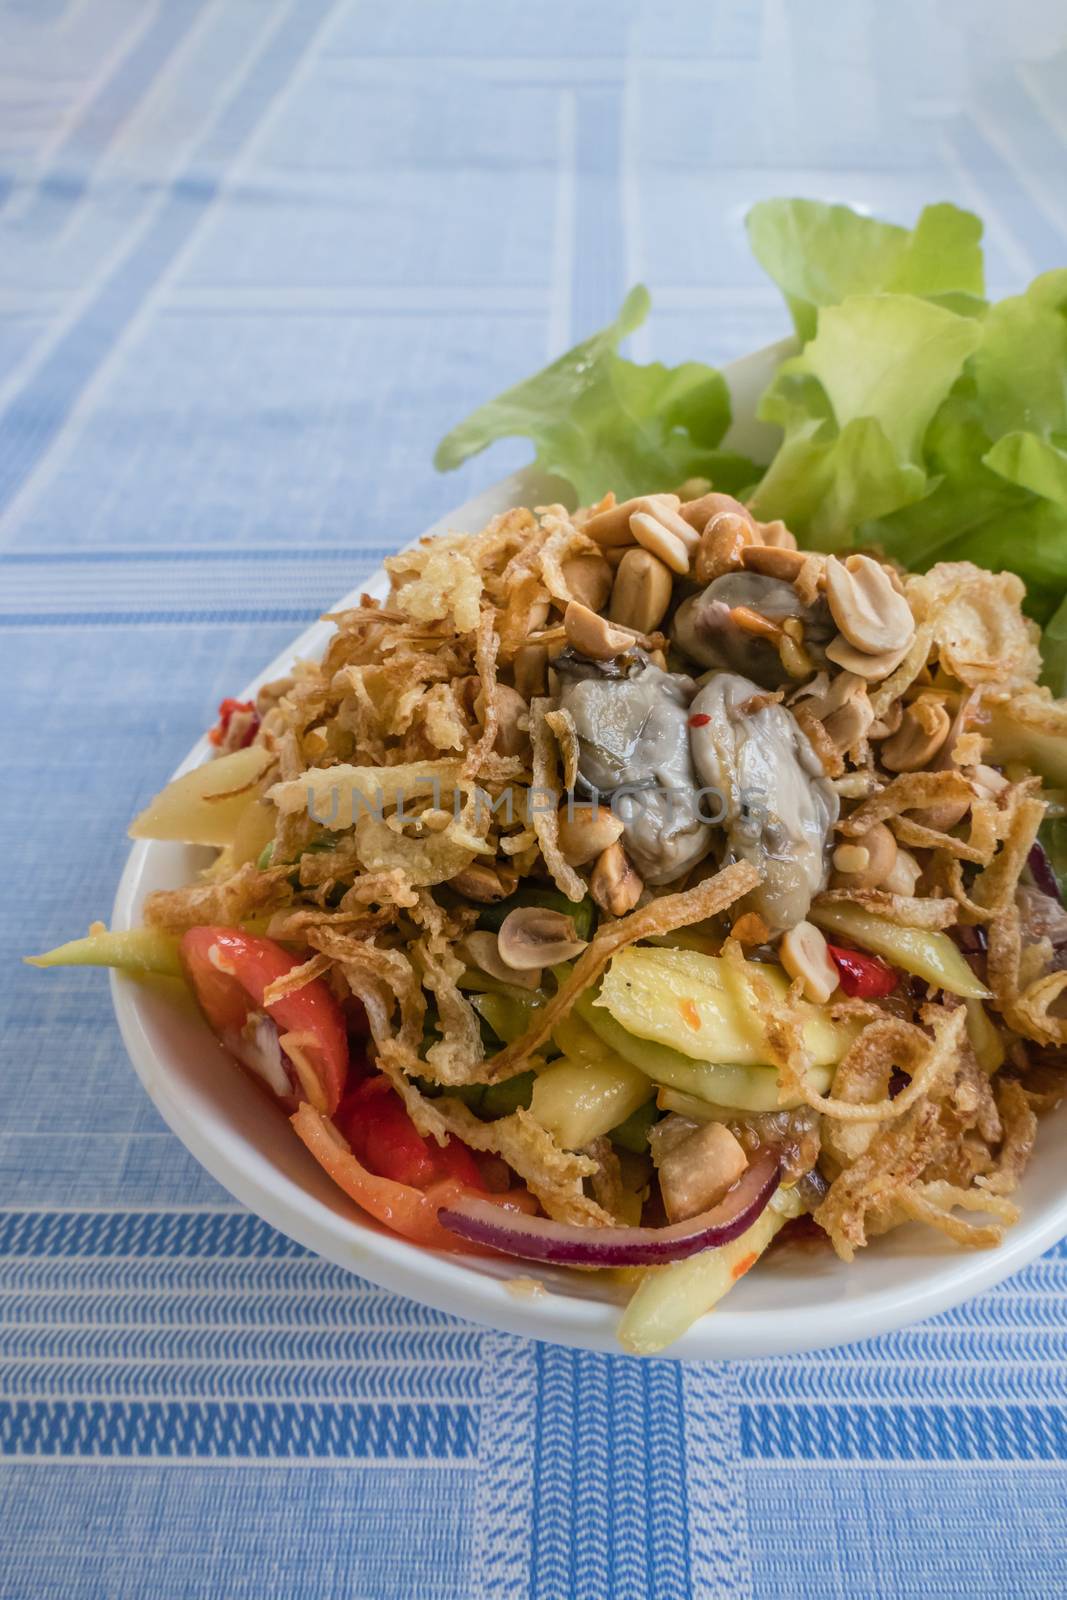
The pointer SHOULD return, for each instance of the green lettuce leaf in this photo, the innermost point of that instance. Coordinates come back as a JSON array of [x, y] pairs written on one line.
[[1020, 370], [1033, 463], [974, 513], [965, 494], [1054, 651], [820, 254], [997, 450], [1020, 375], [916, 416], [603, 422], [824, 480], [913, 353], [854, 428]]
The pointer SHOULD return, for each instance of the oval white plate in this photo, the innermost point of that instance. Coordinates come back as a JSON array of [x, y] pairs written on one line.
[[799, 1300]]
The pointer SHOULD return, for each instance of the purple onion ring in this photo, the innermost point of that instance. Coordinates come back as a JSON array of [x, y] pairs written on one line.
[[566, 1245], [1042, 873]]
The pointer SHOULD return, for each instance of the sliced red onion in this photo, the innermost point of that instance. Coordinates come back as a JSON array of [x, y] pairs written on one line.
[[972, 941], [1042, 873], [257, 1047], [566, 1245]]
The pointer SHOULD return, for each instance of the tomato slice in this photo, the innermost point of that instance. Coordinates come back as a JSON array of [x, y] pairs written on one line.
[[406, 1210], [230, 971], [384, 1138]]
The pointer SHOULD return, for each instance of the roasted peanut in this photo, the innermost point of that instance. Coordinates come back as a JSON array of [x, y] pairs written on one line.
[[943, 814], [612, 527], [849, 723], [614, 884], [654, 535], [482, 950], [585, 832], [530, 668], [666, 511], [777, 534], [804, 955], [537, 614], [698, 513], [485, 884], [923, 730], [904, 875], [513, 727], [842, 706], [588, 577], [642, 592], [532, 937], [722, 546], [867, 605], [873, 668], [865, 862], [851, 859], [696, 1173], [889, 722], [592, 636], [773, 561]]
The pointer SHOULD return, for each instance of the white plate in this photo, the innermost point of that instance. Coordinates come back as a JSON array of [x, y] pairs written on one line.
[[799, 1300]]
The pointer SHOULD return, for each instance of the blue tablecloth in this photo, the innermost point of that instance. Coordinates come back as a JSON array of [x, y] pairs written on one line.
[[255, 257]]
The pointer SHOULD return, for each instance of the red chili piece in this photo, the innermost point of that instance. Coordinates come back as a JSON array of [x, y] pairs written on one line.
[[701, 720], [861, 976], [227, 710]]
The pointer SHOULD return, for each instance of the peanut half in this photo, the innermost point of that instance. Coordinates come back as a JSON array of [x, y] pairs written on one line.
[[612, 527], [588, 577], [642, 592], [592, 636], [868, 609], [614, 884], [654, 535], [804, 956]]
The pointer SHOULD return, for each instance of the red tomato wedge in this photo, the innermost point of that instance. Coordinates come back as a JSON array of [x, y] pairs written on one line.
[[296, 1046], [383, 1137], [406, 1210]]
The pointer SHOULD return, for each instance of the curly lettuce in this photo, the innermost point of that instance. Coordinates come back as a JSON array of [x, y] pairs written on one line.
[[603, 422], [820, 254], [853, 430], [916, 416]]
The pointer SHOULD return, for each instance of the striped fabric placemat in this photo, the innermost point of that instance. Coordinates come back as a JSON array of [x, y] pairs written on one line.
[[255, 257]]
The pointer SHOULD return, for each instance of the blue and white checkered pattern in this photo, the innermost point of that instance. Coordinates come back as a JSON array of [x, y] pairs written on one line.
[[255, 257]]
